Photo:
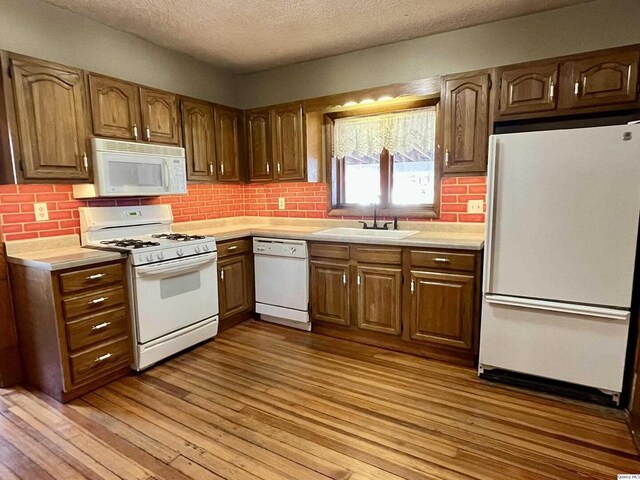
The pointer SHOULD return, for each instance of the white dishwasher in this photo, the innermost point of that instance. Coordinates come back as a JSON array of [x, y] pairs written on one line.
[[282, 281]]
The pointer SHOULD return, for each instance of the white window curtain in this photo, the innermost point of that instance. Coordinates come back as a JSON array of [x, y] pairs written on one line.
[[399, 132]]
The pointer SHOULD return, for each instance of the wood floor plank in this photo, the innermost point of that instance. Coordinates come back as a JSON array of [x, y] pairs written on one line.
[[263, 402]]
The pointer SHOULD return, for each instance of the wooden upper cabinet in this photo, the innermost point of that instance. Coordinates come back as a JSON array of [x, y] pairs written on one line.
[[51, 119], [159, 116], [287, 123], [330, 292], [466, 122], [598, 80], [379, 299], [442, 308], [259, 153], [527, 89], [229, 137], [115, 107], [199, 140]]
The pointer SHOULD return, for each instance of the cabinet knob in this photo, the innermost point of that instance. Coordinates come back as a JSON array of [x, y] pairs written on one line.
[[279, 169], [222, 169], [211, 169], [358, 280], [135, 131], [344, 279], [413, 286], [552, 90], [446, 157], [268, 169], [576, 89], [148, 134], [85, 161], [221, 274]]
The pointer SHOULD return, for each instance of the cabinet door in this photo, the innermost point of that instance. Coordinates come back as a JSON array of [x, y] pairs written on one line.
[[288, 141], [235, 285], [466, 123], [159, 116], [228, 130], [198, 139], [115, 108], [51, 120], [330, 292], [600, 80], [528, 89], [259, 145], [442, 308], [379, 294]]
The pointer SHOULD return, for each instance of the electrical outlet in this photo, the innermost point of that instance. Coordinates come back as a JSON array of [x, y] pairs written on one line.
[[281, 203], [42, 213], [475, 206]]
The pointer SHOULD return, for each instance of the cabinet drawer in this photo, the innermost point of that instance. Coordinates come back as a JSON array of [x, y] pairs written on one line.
[[96, 328], [100, 360], [387, 256], [234, 247], [329, 250], [443, 260], [93, 302], [91, 278]]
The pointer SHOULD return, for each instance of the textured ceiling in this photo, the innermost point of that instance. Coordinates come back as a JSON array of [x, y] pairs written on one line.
[[251, 35]]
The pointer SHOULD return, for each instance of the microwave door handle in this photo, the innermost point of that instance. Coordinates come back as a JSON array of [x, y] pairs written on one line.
[[167, 179]]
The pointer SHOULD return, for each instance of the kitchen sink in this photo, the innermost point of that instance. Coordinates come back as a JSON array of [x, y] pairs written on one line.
[[361, 232]]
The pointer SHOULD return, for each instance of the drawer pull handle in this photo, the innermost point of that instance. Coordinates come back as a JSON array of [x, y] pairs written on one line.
[[413, 286], [358, 280], [576, 89], [95, 301], [96, 276], [102, 358], [344, 279], [100, 326], [222, 275], [232, 248], [441, 260]]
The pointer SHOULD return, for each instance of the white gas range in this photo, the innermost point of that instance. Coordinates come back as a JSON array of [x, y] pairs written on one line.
[[172, 277]]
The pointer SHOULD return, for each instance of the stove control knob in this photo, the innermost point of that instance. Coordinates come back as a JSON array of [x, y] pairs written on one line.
[[179, 252], [160, 256], [205, 248], [150, 257], [198, 249]]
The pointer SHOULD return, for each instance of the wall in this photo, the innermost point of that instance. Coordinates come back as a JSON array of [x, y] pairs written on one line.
[[41, 30], [203, 202], [579, 28]]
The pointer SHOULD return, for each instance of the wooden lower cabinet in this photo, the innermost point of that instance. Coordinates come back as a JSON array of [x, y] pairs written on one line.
[[330, 291], [420, 301], [442, 307], [74, 330], [379, 294], [235, 282]]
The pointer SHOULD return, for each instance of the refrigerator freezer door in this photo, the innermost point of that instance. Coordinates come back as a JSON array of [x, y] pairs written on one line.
[[575, 348], [563, 215]]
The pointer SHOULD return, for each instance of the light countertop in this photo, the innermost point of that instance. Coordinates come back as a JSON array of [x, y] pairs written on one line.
[[56, 253], [59, 253]]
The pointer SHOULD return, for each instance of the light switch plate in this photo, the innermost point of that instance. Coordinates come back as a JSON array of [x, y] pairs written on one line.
[[475, 206], [42, 213], [281, 203]]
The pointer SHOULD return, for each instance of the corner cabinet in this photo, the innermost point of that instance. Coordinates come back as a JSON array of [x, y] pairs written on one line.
[[198, 139], [235, 282], [420, 301], [229, 138], [259, 150], [50, 138], [466, 122]]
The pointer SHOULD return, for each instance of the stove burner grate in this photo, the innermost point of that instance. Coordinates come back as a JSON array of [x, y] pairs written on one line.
[[181, 237], [130, 243]]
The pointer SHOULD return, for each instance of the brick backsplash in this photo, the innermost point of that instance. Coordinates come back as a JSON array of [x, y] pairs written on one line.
[[202, 202]]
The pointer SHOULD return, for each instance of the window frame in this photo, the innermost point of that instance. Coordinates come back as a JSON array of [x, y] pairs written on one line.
[[335, 167]]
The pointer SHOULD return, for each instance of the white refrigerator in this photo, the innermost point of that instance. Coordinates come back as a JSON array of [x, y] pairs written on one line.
[[562, 227]]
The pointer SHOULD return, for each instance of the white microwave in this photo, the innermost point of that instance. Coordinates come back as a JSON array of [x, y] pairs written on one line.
[[129, 169]]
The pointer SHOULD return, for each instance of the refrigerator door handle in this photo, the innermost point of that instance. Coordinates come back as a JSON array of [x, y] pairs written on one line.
[[570, 308], [492, 171]]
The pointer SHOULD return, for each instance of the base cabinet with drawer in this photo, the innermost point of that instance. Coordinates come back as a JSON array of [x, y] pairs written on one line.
[[235, 282], [74, 329], [425, 302]]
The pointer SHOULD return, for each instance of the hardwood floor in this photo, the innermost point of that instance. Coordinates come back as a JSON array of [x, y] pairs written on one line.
[[265, 402]]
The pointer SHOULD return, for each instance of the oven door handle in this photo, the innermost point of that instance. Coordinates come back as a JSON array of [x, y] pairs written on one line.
[[181, 266]]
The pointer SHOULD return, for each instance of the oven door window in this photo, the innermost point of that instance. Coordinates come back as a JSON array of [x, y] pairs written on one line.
[[167, 302]]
